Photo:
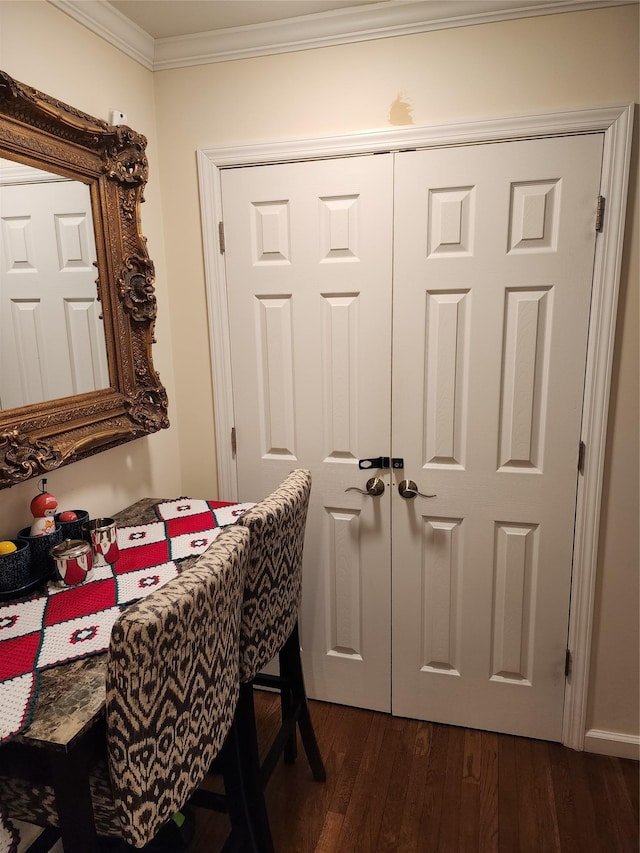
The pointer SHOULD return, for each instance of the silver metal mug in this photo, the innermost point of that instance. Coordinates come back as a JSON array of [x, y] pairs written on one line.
[[102, 534], [73, 559]]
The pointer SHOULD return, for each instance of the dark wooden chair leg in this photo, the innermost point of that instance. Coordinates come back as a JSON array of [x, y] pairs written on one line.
[[288, 711], [292, 665], [243, 786], [70, 776]]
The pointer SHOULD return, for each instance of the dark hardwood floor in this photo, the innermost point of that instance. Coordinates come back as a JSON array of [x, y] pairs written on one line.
[[402, 785]]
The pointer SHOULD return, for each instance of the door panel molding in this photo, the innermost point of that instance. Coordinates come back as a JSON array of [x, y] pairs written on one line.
[[616, 123]]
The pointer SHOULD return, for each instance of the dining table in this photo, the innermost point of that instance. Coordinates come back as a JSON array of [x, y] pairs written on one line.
[[66, 723]]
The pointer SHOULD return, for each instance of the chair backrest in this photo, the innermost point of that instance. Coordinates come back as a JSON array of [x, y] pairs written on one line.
[[273, 588], [172, 686]]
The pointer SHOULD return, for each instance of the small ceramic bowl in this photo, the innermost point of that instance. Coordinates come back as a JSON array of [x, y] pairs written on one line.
[[15, 568], [73, 529], [41, 561]]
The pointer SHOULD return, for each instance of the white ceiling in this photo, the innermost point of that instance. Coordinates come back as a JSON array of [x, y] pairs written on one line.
[[166, 18], [163, 34]]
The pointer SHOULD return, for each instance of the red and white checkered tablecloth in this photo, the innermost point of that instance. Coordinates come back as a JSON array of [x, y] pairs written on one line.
[[67, 623]]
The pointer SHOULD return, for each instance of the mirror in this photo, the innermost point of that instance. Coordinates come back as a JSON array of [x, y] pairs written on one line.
[[77, 304]]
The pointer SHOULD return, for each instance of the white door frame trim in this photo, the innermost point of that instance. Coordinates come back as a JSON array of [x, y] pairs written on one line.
[[616, 123]]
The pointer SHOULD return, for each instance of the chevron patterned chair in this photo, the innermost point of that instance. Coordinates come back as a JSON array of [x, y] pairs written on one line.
[[172, 690], [272, 597]]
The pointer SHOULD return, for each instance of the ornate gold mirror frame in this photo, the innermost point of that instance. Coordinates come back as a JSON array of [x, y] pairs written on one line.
[[39, 131]]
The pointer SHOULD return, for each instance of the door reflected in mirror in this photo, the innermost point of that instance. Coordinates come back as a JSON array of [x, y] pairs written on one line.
[[52, 339]]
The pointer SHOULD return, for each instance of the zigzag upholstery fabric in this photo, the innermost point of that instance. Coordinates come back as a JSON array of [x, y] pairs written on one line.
[[172, 686], [172, 689], [273, 589]]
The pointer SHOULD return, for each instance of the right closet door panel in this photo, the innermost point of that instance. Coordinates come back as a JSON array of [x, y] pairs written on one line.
[[493, 262]]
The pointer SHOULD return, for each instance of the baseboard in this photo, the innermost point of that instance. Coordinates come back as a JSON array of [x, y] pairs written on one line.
[[612, 743]]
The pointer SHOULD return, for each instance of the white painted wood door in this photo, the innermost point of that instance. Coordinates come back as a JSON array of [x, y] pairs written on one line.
[[494, 252], [308, 263], [490, 295], [52, 341]]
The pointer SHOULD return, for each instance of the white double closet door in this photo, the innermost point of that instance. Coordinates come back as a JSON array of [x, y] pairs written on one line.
[[430, 306]]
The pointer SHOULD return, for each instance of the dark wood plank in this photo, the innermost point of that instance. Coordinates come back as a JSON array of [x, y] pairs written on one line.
[[398, 784], [574, 807], [451, 796], [470, 791], [328, 841], [632, 779], [488, 828], [434, 789], [409, 836], [620, 805], [545, 798], [536, 801], [604, 818], [508, 796], [349, 746]]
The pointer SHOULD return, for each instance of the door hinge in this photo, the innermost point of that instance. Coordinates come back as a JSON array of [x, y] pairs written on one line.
[[221, 236], [234, 445], [568, 661], [600, 213], [582, 451]]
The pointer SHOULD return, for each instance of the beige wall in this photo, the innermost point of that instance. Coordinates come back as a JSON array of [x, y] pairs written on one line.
[[512, 68], [44, 48]]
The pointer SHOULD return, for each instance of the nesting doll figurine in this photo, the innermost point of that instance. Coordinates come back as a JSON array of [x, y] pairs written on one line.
[[43, 508]]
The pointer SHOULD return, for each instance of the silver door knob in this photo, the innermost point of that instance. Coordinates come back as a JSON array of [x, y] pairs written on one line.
[[408, 490], [374, 487]]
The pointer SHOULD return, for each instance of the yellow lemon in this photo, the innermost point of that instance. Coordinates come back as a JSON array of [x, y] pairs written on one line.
[[7, 547]]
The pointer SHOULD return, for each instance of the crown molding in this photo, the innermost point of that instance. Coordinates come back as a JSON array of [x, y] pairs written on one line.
[[325, 29]]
